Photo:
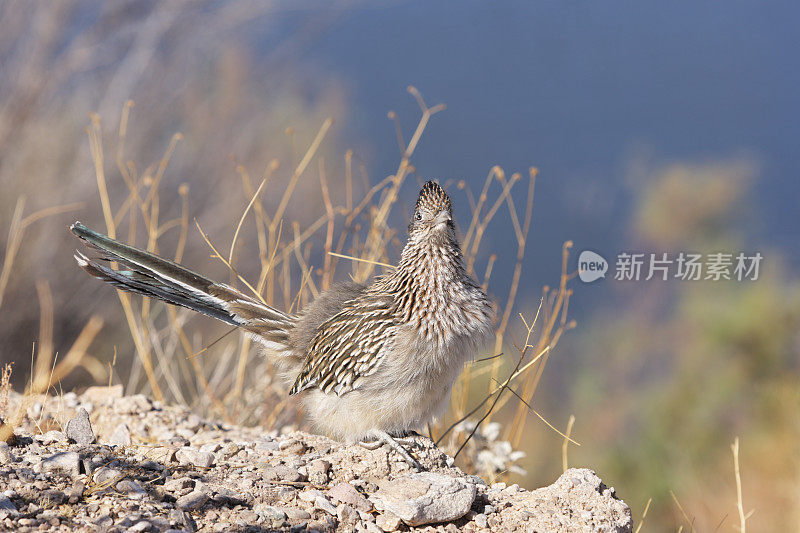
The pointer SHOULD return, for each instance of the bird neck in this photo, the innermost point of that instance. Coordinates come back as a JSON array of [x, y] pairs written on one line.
[[430, 271]]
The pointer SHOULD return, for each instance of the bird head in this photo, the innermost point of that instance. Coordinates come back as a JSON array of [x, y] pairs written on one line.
[[433, 214]]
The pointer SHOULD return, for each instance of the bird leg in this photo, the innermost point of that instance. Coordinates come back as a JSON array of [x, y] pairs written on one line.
[[381, 438]]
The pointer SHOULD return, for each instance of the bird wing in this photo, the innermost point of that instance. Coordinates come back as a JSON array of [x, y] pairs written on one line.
[[348, 346]]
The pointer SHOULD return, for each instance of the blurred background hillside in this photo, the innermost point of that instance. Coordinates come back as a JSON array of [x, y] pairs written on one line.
[[655, 127]]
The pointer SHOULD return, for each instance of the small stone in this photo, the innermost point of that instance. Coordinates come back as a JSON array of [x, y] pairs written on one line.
[[193, 500], [229, 450], [66, 462], [162, 454], [480, 520], [75, 493], [50, 437], [104, 522], [131, 488], [178, 484], [293, 446], [194, 422], [192, 456], [70, 399], [52, 496], [295, 514], [309, 495], [269, 511], [229, 497], [371, 527], [488, 509], [6, 457], [346, 493], [318, 471], [140, 527], [107, 475], [388, 521], [324, 504], [210, 447], [347, 515], [79, 429], [7, 506], [133, 405], [425, 498], [281, 473], [152, 465], [121, 436]]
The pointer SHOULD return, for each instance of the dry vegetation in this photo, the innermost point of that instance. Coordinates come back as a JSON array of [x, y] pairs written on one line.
[[357, 236]]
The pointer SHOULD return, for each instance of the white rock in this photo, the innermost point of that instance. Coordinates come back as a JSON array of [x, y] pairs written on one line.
[[192, 456], [425, 498]]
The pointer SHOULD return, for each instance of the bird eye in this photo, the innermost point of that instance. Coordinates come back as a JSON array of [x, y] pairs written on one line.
[[418, 216]]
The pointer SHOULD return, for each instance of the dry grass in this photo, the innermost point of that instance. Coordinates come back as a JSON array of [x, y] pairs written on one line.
[[358, 232]]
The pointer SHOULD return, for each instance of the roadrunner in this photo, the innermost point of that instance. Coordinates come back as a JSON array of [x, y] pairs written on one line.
[[369, 362]]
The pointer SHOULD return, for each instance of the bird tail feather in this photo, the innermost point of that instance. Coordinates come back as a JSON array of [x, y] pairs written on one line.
[[145, 273]]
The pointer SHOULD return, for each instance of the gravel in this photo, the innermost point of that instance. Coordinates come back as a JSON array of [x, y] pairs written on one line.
[[126, 463]]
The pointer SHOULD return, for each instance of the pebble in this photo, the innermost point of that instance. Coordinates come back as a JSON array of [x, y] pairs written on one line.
[[230, 497], [480, 520], [347, 515], [7, 506], [105, 475], [229, 450], [79, 429], [75, 492], [136, 404], [6, 457], [324, 504], [267, 447], [140, 527], [425, 498], [281, 473], [309, 495], [210, 447], [318, 471], [52, 496], [388, 521], [66, 462], [178, 484], [163, 454], [49, 438], [371, 527], [295, 514], [195, 457], [294, 447], [131, 488], [346, 493], [193, 500], [269, 511], [121, 436]]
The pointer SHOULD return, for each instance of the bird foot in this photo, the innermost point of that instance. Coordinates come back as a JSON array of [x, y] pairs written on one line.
[[395, 443]]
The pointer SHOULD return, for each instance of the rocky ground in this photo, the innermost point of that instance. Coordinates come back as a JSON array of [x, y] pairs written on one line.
[[107, 462]]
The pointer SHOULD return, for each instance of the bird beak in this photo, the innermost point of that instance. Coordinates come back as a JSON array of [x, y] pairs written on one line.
[[443, 217]]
